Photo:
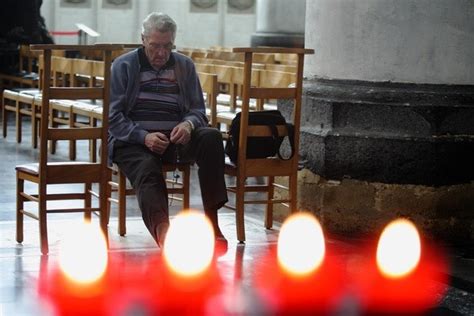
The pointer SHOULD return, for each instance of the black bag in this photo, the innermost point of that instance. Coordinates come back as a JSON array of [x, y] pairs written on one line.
[[260, 147]]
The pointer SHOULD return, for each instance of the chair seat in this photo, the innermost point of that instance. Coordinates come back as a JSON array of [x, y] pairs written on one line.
[[29, 91], [10, 94], [33, 168]]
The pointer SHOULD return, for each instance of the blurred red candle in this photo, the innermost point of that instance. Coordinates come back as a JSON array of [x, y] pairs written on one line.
[[300, 276], [403, 276], [78, 283], [181, 279]]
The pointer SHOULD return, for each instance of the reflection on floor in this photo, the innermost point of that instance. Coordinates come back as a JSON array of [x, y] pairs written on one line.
[[24, 273]]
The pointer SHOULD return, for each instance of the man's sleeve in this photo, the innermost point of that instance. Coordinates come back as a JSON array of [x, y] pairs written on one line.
[[120, 126], [197, 110]]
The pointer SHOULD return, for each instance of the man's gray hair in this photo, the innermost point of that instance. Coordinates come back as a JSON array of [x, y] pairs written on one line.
[[157, 21]]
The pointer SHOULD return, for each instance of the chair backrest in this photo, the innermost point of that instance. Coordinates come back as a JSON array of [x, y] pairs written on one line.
[[210, 88], [81, 72], [27, 58], [276, 79], [203, 67], [200, 60], [281, 67], [49, 92], [268, 91], [62, 71]]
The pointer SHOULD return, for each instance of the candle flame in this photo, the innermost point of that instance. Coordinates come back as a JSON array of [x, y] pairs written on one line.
[[83, 253], [189, 244], [399, 249], [301, 245]]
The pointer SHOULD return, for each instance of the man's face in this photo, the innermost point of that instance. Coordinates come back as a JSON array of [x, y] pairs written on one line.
[[158, 47]]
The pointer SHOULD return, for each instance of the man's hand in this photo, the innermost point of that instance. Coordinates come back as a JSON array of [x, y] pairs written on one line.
[[157, 142], [181, 133]]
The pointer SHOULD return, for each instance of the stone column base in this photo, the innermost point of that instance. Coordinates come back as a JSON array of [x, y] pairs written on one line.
[[362, 209], [372, 152]]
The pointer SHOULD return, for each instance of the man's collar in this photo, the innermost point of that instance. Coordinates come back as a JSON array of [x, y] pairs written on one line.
[[145, 64]]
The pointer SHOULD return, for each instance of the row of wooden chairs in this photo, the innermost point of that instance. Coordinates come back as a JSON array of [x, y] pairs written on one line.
[[73, 113], [272, 67], [73, 108], [64, 72], [27, 75], [227, 54], [230, 81], [48, 131], [71, 71], [45, 172]]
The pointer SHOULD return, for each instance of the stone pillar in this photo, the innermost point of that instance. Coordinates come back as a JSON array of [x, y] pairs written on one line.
[[280, 23], [388, 115]]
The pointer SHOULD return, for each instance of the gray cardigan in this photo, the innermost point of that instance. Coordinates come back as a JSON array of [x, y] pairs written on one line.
[[124, 88]]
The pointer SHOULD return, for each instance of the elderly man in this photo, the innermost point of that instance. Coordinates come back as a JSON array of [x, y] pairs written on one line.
[[157, 115]]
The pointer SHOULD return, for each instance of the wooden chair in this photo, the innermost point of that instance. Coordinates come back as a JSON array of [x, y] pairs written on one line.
[[20, 103], [10, 104], [119, 186], [25, 77], [13, 100], [28, 101], [270, 167], [210, 88], [45, 173]]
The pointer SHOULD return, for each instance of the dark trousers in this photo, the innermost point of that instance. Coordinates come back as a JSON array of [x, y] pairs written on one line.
[[144, 170]]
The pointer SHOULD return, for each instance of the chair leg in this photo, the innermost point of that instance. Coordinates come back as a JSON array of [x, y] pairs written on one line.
[[34, 127], [104, 215], [72, 143], [108, 194], [239, 208], [122, 200], [93, 143], [43, 229], [4, 119], [293, 187], [186, 188], [19, 209], [269, 208], [18, 123], [52, 143], [87, 201]]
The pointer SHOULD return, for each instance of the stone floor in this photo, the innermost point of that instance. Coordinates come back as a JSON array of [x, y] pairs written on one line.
[[24, 273]]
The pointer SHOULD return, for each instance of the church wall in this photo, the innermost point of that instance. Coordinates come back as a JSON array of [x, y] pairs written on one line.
[[219, 24]]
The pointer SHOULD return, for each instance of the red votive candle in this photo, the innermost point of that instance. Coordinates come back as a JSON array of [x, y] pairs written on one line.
[[387, 287], [300, 275]]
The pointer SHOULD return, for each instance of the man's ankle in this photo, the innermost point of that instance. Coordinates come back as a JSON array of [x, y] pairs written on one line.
[[161, 231]]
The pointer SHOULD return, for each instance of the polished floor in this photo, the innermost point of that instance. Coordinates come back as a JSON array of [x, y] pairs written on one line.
[[28, 285]]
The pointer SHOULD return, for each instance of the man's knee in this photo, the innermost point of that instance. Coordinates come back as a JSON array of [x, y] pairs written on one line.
[[212, 136], [148, 169]]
